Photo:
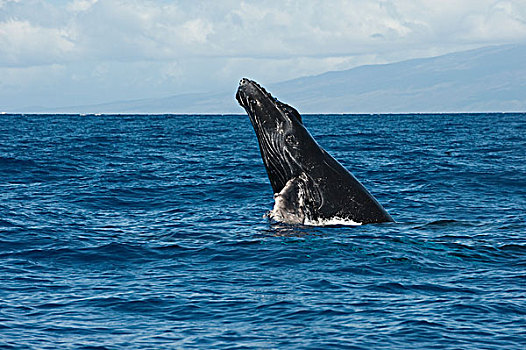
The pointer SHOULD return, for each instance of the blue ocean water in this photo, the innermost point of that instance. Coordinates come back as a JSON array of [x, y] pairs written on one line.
[[122, 232]]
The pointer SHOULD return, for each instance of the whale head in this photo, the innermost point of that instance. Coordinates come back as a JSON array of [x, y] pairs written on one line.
[[287, 148]]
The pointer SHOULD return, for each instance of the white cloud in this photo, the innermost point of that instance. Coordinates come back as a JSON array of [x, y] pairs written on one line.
[[25, 44], [138, 30], [195, 31], [80, 5], [188, 43], [502, 21], [4, 2]]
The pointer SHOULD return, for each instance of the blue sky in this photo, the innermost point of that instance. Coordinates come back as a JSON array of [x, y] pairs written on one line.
[[64, 53]]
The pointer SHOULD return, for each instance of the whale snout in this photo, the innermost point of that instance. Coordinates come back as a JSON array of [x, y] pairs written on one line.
[[244, 81], [247, 91]]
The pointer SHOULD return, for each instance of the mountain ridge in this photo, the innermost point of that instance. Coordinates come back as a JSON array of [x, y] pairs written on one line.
[[488, 79], [467, 81]]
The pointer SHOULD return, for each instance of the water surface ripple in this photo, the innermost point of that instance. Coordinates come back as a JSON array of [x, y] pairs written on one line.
[[122, 232]]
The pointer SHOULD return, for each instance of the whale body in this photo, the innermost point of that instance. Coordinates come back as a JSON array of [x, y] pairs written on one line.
[[310, 186]]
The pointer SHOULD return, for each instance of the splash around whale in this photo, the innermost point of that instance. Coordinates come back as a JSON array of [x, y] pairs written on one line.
[[310, 186]]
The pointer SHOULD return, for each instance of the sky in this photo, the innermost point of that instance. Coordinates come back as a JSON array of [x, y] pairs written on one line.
[[82, 52]]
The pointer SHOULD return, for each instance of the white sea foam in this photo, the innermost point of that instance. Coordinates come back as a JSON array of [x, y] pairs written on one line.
[[335, 221], [277, 215]]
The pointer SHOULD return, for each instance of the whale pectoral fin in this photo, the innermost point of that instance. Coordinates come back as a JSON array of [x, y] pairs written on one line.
[[289, 203]]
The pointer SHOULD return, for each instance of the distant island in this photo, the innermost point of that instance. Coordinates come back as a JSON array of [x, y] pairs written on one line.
[[490, 79]]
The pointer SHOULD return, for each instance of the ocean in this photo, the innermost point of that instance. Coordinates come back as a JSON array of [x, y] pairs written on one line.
[[148, 232]]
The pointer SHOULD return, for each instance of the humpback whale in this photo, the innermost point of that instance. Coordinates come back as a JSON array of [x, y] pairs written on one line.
[[310, 186]]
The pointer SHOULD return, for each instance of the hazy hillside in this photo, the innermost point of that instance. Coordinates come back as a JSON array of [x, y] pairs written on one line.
[[488, 79]]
